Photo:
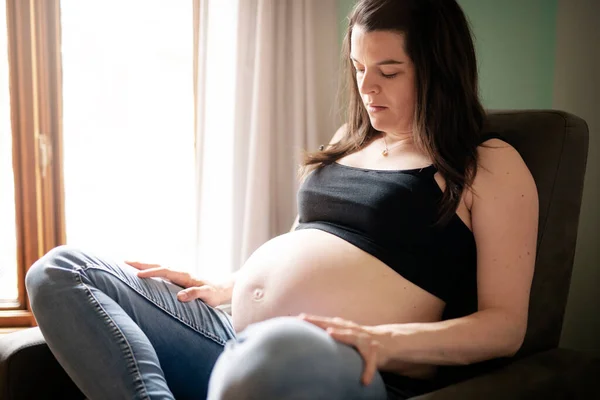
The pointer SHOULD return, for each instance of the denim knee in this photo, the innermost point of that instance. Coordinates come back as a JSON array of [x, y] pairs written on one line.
[[52, 268], [282, 358]]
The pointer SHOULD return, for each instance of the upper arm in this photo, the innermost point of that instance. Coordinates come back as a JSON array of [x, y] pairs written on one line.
[[337, 136], [504, 216]]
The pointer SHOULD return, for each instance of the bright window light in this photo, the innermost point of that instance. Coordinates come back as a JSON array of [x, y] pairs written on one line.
[[129, 129], [216, 219], [8, 239]]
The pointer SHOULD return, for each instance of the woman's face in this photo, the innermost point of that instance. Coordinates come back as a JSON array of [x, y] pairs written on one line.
[[385, 78]]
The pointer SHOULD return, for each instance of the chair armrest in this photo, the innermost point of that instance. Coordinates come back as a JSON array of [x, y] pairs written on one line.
[[553, 374], [28, 370]]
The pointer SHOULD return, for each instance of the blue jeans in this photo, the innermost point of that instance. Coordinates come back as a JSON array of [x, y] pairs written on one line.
[[122, 337]]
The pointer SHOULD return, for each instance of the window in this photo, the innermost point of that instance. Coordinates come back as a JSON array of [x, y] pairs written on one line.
[[102, 99], [128, 130], [8, 243], [32, 32]]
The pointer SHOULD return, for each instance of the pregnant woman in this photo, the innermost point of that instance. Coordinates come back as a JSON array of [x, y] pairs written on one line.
[[414, 248]]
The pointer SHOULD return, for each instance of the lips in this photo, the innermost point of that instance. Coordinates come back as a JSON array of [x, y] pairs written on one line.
[[375, 107]]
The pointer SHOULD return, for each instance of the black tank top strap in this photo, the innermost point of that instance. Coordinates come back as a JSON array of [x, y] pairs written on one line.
[[490, 135], [432, 170]]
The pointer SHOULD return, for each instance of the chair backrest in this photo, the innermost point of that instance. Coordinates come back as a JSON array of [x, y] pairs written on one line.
[[554, 145]]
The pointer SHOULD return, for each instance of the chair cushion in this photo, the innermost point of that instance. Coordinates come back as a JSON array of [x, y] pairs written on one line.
[[553, 374], [28, 370]]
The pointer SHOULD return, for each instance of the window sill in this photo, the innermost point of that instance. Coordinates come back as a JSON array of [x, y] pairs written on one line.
[[16, 318], [6, 331]]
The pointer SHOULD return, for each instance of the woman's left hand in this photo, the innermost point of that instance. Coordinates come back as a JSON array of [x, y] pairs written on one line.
[[365, 340]]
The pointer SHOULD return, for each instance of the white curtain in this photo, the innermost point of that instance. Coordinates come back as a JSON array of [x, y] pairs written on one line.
[[266, 85]]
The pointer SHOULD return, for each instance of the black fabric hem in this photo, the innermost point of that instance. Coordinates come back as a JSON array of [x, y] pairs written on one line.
[[400, 387]]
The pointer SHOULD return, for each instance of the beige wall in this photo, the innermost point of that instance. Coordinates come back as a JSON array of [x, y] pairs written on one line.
[[577, 90]]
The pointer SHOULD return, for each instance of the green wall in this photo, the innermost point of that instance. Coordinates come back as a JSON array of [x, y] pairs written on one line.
[[344, 8], [515, 41]]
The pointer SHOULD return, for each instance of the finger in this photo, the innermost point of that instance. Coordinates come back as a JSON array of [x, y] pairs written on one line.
[[179, 278], [341, 321], [205, 293], [326, 322], [159, 271], [370, 363], [344, 335], [140, 265], [323, 324], [366, 347]]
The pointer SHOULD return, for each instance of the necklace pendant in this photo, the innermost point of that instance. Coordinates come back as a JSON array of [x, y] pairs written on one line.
[[384, 152]]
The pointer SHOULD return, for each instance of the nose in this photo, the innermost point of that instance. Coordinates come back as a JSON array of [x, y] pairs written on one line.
[[367, 83]]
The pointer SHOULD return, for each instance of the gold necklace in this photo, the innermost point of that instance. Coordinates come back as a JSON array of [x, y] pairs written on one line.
[[387, 149]]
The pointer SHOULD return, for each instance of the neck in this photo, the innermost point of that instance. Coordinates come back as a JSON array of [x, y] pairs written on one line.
[[400, 136]]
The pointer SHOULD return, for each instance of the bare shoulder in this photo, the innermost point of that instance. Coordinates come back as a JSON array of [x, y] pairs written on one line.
[[501, 168]]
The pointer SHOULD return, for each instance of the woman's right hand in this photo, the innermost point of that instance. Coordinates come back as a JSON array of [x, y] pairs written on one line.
[[210, 293]]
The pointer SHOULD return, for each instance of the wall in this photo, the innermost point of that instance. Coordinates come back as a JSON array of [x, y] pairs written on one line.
[[344, 8], [544, 54], [515, 43], [577, 90]]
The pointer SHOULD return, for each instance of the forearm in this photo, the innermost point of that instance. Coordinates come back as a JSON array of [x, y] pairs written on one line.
[[481, 336]]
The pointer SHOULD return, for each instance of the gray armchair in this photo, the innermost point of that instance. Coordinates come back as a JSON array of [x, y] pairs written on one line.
[[554, 146]]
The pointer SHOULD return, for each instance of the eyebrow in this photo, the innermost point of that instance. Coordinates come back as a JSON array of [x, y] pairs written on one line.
[[384, 62]]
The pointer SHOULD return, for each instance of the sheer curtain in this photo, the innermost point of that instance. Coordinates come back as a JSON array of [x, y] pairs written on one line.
[[266, 82]]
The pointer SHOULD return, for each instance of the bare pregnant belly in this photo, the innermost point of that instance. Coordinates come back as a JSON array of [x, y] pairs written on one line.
[[314, 272]]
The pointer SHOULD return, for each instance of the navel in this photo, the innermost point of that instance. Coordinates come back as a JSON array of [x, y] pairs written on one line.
[[258, 294]]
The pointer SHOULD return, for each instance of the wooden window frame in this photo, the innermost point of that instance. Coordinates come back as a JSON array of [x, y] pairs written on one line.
[[35, 80]]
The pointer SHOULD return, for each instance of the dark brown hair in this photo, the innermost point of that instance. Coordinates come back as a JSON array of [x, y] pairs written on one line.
[[449, 117]]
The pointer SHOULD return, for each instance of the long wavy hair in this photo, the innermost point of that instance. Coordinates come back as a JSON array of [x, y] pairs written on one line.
[[448, 117]]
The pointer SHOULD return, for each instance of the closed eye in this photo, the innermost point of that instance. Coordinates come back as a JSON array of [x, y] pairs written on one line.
[[387, 76]]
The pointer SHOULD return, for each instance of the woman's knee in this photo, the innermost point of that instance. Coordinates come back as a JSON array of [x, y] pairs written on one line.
[[279, 358], [52, 269]]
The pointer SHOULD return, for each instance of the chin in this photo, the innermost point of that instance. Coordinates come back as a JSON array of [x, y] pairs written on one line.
[[380, 125]]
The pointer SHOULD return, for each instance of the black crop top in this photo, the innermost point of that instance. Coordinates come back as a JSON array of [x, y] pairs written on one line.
[[391, 215]]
